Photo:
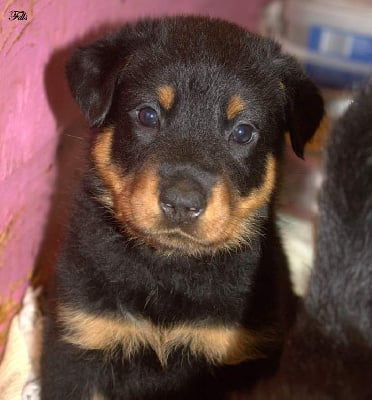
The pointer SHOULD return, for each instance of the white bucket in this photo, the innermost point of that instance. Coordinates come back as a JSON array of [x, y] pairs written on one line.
[[333, 38]]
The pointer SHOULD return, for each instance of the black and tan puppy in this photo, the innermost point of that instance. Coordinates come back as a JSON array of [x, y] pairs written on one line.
[[172, 270]]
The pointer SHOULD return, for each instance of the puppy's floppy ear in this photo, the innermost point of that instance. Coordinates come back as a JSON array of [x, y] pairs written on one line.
[[92, 73], [304, 104]]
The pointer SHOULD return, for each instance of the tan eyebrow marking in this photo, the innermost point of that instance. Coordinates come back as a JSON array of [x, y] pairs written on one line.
[[235, 105], [166, 94]]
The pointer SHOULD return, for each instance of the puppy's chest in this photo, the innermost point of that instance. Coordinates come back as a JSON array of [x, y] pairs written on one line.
[[217, 344]]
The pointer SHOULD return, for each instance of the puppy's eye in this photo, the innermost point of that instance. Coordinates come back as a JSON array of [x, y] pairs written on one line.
[[243, 134], [148, 117]]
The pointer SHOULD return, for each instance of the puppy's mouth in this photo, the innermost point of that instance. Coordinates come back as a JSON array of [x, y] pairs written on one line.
[[180, 215], [178, 234], [177, 239]]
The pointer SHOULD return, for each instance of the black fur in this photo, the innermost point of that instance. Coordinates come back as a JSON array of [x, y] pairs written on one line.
[[328, 354], [108, 268]]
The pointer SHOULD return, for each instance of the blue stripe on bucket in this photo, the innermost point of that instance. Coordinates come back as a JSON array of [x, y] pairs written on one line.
[[341, 44]]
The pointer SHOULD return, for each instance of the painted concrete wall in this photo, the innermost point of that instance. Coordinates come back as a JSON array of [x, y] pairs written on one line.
[[36, 110]]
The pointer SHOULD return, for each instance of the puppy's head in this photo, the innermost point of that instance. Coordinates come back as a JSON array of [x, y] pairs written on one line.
[[191, 115]]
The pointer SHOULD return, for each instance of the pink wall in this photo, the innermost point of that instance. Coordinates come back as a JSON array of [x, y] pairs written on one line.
[[36, 111]]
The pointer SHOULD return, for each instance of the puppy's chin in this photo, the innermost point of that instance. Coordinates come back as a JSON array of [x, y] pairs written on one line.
[[179, 242]]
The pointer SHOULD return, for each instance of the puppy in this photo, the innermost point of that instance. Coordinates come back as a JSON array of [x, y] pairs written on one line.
[[172, 278], [328, 354]]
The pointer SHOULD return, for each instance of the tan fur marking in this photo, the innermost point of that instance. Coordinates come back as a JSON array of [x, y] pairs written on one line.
[[219, 344], [259, 197], [166, 96], [101, 154], [132, 198], [229, 222], [215, 222], [97, 396], [235, 105], [143, 202]]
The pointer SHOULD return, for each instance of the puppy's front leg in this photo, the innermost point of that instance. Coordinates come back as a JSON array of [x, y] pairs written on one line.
[[69, 373]]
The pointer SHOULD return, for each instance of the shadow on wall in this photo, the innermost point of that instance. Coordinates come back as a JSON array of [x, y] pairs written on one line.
[[70, 155]]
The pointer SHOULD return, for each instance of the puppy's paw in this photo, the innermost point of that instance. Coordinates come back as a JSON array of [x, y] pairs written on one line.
[[31, 391]]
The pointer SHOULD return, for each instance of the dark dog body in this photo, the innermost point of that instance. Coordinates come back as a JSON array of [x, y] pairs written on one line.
[[172, 271], [328, 354]]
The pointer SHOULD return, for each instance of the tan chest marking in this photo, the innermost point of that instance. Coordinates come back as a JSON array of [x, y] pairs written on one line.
[[217, 344]]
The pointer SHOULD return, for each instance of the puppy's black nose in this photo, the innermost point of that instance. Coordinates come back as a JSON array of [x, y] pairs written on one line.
[[182, 201]]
